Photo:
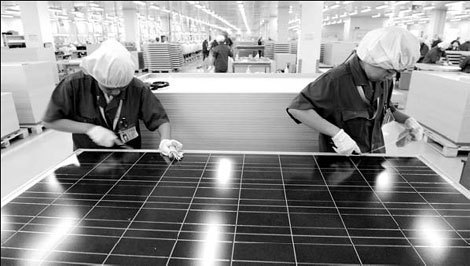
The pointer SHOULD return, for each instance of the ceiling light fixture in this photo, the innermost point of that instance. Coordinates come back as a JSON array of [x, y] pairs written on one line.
[[345, 14], [242, 11], [376, 16], [428, 7], [139, 3], [353, 13], [7, 16], [55, 9], [381, 7], [365, 10]]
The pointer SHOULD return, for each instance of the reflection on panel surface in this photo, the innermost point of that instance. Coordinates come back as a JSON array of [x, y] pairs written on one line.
[[217, 209]]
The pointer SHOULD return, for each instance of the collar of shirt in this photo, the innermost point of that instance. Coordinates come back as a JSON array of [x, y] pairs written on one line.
[[102, 100], [358, 74]]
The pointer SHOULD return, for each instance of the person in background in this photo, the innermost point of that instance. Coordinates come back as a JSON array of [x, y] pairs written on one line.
[[205, 48], [349, 103], [465, 64], [220, 54], [227, 40], [423, 49], [102, 104], [434, 55], [456, 40], [465, 46], [454, 46], [157, 39], [260, 42], [435, 41]]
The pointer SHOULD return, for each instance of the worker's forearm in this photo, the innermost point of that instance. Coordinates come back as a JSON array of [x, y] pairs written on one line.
[[68, 125], [165, 131], [400, 117], [313, 120]]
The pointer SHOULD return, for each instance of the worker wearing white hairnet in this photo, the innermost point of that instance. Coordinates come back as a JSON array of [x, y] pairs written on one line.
[[101, 105], [349, 104], [435, 54]]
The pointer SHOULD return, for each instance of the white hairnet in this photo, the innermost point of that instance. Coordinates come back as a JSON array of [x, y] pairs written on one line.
[[389, 48], [220, 38], [111, 65], [443, 45]]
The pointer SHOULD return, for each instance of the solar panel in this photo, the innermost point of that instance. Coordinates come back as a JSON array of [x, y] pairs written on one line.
[[139, 208]]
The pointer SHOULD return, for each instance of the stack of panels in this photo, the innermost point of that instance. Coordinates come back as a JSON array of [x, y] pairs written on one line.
[[10, 123], [322, 53], [176, 55], [293, 47], [281, 48], [157, 57], [269, 50], [136, 208], [31, 84]]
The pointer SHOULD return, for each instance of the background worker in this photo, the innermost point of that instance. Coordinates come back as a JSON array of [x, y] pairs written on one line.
[[101, 105], [434, 55], [349, 103]]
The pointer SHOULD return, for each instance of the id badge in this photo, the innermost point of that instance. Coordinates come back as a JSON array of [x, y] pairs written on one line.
[[128, 134], [388, 117]]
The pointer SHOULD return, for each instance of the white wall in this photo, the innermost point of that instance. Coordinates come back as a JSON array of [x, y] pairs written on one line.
[[357, 27], [12, 24], [333, 32]]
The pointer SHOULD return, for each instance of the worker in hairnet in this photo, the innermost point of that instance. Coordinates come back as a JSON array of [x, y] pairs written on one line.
[[101, 104], [349, 103], [434, 55]]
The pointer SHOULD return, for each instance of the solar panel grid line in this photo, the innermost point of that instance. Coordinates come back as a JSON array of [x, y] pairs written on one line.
[[287, 208], [338, 212], [187, 211], [75, 225], [466, 240], [397, 224], [3, 242], [238, 209]]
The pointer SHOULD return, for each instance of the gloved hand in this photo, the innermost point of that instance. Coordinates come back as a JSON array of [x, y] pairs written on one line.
[[345, 144], [171, 148], [416, 130], [102, 136]]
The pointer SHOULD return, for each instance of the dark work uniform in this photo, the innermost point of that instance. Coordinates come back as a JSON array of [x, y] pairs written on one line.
[[423, 50], [434, 55], [221, 53], [335, 97], [205, 49], [78, 97]]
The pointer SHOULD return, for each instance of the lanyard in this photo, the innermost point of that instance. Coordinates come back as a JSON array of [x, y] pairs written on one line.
[[116, 117], [364, 99]]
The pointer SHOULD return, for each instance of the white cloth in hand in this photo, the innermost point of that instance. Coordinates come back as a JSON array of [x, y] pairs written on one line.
[[417, 131], [171, 148], [102, 136], [345, 145]]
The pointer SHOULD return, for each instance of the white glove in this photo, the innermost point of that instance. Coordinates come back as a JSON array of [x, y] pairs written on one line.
[[102, 136], [416, 130], [171, 148], [345, 145]]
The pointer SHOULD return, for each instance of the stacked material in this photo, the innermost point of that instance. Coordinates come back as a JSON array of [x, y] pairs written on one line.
[[32, 55], [293, 47], [163, 56], [10, 121], [269, 50], [31, 84], [281, 48], [441, 102]]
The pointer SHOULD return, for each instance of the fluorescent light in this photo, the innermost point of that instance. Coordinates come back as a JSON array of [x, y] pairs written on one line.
[[376, 16], [11, 12], [347, 2], [345, 14], [397, 3], [381, 7], [365, 10], [55, 9], [140, 3], [242, 11], [334, 6], [93, 5], [154, 7], [7, 16], [353, 13], [456, 3], [428, 7]]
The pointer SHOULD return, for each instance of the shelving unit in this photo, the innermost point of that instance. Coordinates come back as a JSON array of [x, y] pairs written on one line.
[[14, 41]]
